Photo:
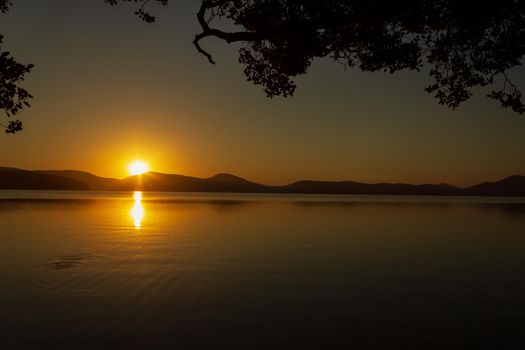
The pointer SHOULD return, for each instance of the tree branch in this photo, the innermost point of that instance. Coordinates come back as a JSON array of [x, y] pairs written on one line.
[[229, 37], [199, 48]]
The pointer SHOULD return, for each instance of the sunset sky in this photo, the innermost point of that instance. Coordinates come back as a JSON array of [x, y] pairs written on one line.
[[110, 89]]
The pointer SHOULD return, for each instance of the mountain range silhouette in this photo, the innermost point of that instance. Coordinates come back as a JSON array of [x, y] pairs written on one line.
[[20, 179]]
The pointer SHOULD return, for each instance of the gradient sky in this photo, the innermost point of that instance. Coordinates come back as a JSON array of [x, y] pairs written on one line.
[[109, 89]]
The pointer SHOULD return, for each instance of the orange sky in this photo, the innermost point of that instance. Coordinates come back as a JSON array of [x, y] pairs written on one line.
[[112, 90]]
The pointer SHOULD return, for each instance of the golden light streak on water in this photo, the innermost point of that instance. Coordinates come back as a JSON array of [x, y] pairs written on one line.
[[137, 211]]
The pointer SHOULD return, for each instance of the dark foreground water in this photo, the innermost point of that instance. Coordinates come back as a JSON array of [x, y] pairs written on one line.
[[201, 271]]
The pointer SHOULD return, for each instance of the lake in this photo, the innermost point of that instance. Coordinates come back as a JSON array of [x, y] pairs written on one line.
[[93, 270]]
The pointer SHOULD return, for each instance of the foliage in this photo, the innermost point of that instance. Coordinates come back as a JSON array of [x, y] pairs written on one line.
[[12, 97], [4, 5], [140, 12], [464, 43]]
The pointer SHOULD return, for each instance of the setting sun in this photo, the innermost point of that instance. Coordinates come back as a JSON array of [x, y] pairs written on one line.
[[138, 167]]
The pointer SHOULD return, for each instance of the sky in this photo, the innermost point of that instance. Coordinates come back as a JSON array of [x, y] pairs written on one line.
[[110, 89]]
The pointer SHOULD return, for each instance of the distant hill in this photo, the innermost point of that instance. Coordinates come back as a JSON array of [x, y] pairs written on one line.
[[11, 178], [3, 168], [95, 183], [179, 183], [510, 186], [350, 187], [30, 180]]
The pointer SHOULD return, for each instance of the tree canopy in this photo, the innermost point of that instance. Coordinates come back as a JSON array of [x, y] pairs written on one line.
[[462, 44], [12, 97]]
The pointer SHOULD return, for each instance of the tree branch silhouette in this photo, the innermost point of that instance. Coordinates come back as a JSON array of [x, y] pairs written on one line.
[[13, 98], [229, 37], [462, 43]]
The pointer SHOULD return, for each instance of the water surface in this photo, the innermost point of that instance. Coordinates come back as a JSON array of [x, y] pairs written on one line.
[[87, 270]]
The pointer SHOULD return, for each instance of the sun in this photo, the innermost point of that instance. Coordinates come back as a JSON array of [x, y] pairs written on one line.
[[138, 167]]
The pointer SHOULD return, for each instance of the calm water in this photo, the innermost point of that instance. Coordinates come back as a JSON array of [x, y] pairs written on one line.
[[200, 271]]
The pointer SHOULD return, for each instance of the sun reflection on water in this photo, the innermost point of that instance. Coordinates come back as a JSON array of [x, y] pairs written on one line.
[[137, 211]]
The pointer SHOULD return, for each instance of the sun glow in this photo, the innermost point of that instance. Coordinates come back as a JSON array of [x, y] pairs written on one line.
[[138, 167]]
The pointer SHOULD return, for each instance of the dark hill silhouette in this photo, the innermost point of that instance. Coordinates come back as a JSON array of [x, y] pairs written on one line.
[[350, 187], [30, 180], [4, 168], [510, 186], [11, 178], [232, 183], [95, 183], [153, 181], [179, 183]]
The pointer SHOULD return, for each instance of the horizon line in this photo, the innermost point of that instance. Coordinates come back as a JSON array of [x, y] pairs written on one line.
[[259, 183]]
